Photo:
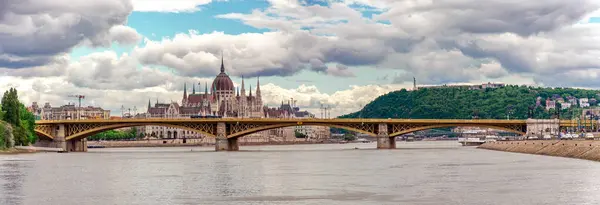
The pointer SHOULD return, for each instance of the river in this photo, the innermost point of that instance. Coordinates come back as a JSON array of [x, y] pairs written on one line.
[[416, 173]]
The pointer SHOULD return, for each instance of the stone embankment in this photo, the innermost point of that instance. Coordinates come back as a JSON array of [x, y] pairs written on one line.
[[580, 149], [179, 143]]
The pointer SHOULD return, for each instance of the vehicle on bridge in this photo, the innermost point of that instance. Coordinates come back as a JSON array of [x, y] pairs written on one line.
[[205, 116]]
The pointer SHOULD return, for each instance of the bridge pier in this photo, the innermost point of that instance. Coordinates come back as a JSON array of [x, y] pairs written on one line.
[[230, 144], [59, 138], [78, 145], [384, 141], [222, 143]]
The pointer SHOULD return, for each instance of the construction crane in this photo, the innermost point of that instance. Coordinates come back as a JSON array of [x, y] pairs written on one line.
[[79, 97]]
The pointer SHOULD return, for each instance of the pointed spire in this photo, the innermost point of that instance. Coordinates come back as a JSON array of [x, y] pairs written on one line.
[[238, 91], [258, 86], [193, 88], [149, 106], [184, 90], [205, 88], [250, 91], [222, 66]]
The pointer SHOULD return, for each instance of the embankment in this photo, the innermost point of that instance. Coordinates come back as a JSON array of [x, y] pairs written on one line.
[[179, 143], [580, 149]]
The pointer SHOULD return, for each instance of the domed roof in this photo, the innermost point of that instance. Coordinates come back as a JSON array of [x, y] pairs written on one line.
[[222, 81]]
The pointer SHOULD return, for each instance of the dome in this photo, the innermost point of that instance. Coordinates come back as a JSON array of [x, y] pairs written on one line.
[[222, 82]]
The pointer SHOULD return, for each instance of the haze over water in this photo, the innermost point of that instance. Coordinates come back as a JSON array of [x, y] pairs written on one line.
[[416, 173]]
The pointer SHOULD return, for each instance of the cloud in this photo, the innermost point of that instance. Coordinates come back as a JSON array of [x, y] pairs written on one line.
[[249, 54], [56, 90], [174, 6], [449, 41], [442, 42], [34, 32]]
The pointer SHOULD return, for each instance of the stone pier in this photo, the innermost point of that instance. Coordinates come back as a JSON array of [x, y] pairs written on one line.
[[384, 141], [222, 142], [542, 127], [227, 144], [59, 138], [79, 145]]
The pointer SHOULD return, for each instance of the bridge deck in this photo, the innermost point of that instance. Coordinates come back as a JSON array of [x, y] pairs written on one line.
[[316, 120]]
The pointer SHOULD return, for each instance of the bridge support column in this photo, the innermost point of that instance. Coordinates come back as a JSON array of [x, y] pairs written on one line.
[[59, 137], [384, 141], [79, 145], [223, 143]]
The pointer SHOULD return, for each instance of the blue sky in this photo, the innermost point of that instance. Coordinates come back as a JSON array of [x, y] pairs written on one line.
[[350, 53], [158, 25]]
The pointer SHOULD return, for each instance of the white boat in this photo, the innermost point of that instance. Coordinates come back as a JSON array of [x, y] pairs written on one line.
[[491, 138], [471, 141]]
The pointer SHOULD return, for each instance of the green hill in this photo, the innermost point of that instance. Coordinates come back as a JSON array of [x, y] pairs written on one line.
[[463, 103]]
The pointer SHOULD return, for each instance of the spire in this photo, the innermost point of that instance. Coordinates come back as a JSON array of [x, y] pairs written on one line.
[[193, 88], [149, 106], [250, 91], [184, 90], [222, 66], [205, 88], [238, 91], [258, 87], [243, 89]]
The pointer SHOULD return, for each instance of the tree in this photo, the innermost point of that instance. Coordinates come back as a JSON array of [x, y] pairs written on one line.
[[1, 113], [28, 123], [299, 134], [461, 103], [10, 107], [349, 137], [15, 113]]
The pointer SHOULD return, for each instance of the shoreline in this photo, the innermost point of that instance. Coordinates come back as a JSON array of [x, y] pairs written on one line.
[[13, 151], [157, 143], [577, 149]]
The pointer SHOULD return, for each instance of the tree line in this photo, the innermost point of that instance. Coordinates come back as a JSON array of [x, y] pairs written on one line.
[[511, 101], [17, 124], [109, 135]]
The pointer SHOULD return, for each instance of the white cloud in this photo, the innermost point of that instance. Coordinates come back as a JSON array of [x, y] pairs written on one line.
[[543, 42], [168, 6], [56, 90], [35, 32], [449, 41]]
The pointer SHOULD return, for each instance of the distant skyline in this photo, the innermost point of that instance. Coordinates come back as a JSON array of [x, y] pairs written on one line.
[[343, 53]]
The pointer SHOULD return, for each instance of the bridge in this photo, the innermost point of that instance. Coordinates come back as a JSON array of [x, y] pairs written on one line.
[[71, 134]]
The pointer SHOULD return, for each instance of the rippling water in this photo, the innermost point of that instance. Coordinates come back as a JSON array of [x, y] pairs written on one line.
[[417, 173]]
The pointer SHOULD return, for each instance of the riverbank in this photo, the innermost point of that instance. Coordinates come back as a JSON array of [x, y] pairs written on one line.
[[15, 151], [580, 149], [189, 142]]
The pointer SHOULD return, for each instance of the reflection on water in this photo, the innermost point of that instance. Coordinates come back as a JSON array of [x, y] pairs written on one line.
[[417, 173], [11, 177]]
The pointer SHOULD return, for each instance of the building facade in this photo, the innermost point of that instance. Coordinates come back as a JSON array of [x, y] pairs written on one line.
[[223, 99], [67, 112]]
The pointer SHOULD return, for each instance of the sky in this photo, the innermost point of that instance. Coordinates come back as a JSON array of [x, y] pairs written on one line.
[[340, 53]]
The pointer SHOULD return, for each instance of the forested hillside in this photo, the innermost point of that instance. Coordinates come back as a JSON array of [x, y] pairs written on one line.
[[462, 103]]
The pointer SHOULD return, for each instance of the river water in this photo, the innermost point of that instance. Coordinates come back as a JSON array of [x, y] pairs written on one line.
[[416, 173]]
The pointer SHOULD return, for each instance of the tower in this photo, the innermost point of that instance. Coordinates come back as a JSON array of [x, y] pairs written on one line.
[[258, 95], [222, 66], [184, 100], [414, 83]]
